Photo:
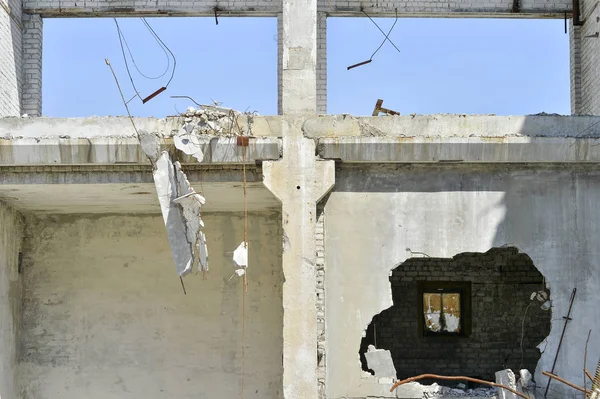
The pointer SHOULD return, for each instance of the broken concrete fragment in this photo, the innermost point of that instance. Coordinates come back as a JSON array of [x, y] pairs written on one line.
[[526, 385], [190, 203], [150, 143], [380, 361], [506, 378], [189, 143], [180, 207], [240, 256]]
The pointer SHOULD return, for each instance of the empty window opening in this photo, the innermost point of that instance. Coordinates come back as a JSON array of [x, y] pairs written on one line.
[[449, 65], [471, 315], [233, 64]]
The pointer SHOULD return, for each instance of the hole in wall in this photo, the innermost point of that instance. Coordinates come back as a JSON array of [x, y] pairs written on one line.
[[473, 314]]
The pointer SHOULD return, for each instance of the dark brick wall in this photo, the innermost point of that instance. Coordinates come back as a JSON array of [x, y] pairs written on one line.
[[502, 281]]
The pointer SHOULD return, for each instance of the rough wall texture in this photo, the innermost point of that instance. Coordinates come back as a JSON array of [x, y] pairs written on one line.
[[32, 65], [322, 63], [376, 212], [589, 43], [502, 281], [10, 245], [10, 57], [104, 315], [320, 268]]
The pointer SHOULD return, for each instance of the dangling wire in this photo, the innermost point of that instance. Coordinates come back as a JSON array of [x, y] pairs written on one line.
[[122, 36], [387, 38], [162, 45], [165, 47]]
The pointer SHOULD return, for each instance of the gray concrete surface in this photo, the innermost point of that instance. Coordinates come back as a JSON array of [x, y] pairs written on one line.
[[104, 315], [299, 181], [11, 232], [376, 214]]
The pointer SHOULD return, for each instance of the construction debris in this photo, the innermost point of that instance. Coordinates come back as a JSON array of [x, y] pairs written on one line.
[[379, 108], [456, 378], [380, 361], [240, 259], [180, 206], [211, 119], [506, 378]]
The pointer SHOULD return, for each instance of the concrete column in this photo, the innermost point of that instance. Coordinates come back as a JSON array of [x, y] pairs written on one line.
[[575, 61], [299, 57], [10, 57], [31, 98], [322, 63], [299, 181], [585, 62]]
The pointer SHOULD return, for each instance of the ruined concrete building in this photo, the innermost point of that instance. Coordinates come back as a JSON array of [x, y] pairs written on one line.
[[380, 248]]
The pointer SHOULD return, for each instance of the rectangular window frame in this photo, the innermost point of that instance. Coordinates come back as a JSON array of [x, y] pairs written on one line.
[[460, 287]]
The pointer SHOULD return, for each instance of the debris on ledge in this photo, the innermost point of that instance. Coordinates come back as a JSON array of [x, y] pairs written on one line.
[[213, 120]]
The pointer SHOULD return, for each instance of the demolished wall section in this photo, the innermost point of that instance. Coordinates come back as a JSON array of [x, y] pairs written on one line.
[[502, 314], [11, 232]]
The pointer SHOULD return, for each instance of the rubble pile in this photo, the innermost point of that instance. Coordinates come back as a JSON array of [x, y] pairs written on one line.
[[213, 120]]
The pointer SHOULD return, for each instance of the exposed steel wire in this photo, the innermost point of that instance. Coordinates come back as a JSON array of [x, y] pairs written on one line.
[[454, 378]]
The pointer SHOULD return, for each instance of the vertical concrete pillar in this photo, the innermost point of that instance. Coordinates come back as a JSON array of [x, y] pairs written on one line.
[[10, 57], [322, 63], [575, 61], [585, 62], [299, 181], [299, 57], [31, 98]]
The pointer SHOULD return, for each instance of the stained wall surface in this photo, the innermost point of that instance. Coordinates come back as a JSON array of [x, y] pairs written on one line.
[[377, 215], [10, 244], [104, 314]]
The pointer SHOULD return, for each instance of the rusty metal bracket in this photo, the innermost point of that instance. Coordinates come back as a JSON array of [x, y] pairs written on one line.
[[151, 96], [379, 108], [243, 141]]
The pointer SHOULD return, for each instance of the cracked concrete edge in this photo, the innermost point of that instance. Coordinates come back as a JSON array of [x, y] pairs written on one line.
[[119, 127], [448, 126], [320, 126]]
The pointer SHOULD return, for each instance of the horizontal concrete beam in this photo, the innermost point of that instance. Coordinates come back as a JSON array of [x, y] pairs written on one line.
[[141, 11], [121, 174], [475, 149], [120, 126], [126, 150], [449, 126], [70, 9]]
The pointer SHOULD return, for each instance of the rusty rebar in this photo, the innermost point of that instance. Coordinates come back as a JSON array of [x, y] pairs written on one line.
[[453, 378], [553, 376]]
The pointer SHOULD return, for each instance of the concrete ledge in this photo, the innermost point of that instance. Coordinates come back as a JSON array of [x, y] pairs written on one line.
[[126, 150], [119, 126], [478, 150], [448, 126]]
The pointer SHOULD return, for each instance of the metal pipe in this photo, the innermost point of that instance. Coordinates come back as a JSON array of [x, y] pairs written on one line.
[[567, 318]]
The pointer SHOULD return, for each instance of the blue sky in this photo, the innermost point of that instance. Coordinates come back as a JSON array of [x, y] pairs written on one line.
[[466, 66]]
